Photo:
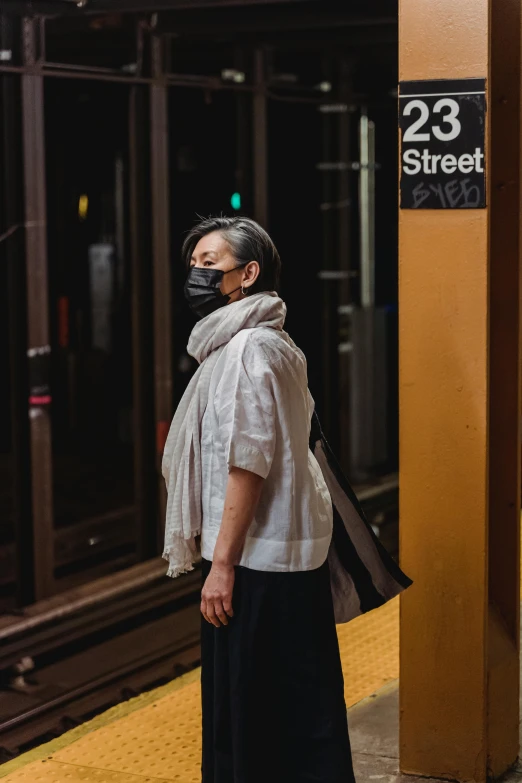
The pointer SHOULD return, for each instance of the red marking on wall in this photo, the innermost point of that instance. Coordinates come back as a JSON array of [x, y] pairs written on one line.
[[44, 399]]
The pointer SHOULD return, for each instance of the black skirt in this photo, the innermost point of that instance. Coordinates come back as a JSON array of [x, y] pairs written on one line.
[[272, 684]]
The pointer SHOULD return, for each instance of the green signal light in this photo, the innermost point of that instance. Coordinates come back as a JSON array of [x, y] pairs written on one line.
[[235, 200]]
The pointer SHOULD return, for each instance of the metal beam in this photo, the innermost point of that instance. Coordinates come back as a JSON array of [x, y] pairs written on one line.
[[17, 376], [243, 170], [38, 343], [343, 210], [81, 7], [329, 263], [162, 301], [143, 395], [225, 15], [259, 141], [176, 5]]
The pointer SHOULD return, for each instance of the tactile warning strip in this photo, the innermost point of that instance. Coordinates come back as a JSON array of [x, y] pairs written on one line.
[[161, 740], [370, 651], [56, 772]]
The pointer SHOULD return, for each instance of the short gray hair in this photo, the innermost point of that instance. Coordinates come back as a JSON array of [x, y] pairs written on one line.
[[247, 240]]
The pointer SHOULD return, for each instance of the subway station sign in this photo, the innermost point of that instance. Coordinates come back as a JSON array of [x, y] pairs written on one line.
[[442, 151]]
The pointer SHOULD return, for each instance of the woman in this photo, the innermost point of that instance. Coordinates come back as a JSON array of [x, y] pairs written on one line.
[[240, 473]]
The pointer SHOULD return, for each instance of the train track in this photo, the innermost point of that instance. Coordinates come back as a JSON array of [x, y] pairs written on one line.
[[63, 666], [79, 653]]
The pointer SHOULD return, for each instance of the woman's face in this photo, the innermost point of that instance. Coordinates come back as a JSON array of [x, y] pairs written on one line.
[[213, 252]]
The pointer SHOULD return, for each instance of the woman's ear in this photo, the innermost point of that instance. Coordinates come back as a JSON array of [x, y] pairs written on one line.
[[250, 273]]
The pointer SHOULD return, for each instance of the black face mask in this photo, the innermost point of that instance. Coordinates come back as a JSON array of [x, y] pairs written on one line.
[[202, 290]]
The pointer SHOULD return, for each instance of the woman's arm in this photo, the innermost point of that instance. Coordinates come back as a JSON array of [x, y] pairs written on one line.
[[241, 500]]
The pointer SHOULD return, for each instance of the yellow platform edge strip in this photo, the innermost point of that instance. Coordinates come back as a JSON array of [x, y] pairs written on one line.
[[98, 722]]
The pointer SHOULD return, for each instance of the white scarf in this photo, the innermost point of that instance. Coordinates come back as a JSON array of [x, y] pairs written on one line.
[[181, 466]]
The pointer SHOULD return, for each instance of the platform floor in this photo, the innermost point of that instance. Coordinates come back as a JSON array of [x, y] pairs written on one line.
[[156, 737]]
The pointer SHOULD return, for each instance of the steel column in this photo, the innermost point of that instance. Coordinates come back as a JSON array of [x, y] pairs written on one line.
[[14, 255], [260, 140], [367, 209], [243, 113], [345, 303], [37, 310], [162, 307], [330, 265], [145, 497]]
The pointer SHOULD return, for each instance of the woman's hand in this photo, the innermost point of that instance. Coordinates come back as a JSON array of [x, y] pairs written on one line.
[[241, 499], [216, 596]]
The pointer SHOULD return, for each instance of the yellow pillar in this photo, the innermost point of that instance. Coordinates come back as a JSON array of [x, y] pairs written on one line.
[[460, 412]]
